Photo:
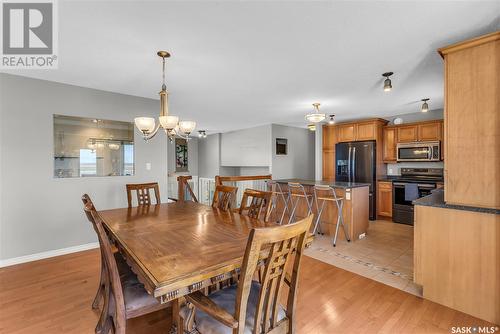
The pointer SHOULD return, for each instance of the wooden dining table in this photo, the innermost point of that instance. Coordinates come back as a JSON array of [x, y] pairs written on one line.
[[178, 248]]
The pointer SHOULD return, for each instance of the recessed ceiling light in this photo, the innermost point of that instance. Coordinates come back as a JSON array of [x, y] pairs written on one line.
[[387, 81]]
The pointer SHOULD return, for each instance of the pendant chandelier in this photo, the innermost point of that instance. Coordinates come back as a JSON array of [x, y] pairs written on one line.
[[316, 116], [170, 124]]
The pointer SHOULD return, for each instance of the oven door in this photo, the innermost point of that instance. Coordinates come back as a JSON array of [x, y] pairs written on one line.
[[414, 152], [402, 210]]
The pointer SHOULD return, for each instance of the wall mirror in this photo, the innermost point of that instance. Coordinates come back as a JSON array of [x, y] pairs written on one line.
[[281, 146], [85, 147]]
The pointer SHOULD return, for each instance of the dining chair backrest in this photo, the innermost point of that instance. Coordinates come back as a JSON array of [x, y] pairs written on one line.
[[143, 193], [260, 204], [282, 242], [224, 197], [113, 285]]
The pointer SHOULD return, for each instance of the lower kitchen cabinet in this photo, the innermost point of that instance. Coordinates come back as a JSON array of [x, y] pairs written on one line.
[[384, 199]]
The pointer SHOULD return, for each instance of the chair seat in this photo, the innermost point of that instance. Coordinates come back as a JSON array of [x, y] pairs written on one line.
[[226, 298], [137, 300]]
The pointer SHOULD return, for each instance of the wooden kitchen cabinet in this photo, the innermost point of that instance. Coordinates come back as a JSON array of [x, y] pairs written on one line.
[[366, 131], [329, 141], [430, 131], [384, 199], [407, 133], [346, 132], [472, 122], [389, 147]]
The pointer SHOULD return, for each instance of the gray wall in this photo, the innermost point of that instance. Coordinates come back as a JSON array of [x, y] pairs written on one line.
[[209, 156], [299, 162], [38, 212], [248, 147]]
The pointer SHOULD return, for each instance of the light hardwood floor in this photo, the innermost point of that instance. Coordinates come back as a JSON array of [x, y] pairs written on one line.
[[54, 296]]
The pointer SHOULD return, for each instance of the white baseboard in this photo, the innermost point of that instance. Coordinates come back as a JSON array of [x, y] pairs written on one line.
[[45, 255]]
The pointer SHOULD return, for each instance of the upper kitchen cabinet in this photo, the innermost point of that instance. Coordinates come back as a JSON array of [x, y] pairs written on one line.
[[390, 140], [407, 133], [422, 131], [328, 137], [472, 122], [346, 132], [360, 131], [430, 131]]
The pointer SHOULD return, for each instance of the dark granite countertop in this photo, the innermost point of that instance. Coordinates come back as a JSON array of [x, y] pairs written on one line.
[[388, 178], [335, 184], [436, 199]]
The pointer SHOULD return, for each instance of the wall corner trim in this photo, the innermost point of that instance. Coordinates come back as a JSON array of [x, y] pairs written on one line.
[[47, 254]]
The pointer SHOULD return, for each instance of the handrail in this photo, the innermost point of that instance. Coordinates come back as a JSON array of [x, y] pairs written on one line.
[[182, 182], [219, 179]]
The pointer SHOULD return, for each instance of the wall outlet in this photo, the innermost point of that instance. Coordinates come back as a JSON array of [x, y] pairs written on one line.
[[148, 165]]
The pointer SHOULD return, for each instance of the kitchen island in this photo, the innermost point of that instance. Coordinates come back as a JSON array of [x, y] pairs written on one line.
[[355, 211]]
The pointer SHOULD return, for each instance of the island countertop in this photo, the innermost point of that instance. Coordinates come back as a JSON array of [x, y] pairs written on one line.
[[334, 184]]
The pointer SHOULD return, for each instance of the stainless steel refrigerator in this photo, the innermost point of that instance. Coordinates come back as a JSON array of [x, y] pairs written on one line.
[[355, 162]]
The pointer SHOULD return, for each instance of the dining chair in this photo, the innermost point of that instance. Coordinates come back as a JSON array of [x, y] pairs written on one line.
[[100, 290], [124, 296], [224, 197], [260, 204], [143, 193], [250, 307]]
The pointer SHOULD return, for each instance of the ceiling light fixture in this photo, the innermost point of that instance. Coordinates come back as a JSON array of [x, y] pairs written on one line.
[[171, 124], [311, 127], [425, 105], [202, 134], [387, 81], [331, 121], [316, 116]]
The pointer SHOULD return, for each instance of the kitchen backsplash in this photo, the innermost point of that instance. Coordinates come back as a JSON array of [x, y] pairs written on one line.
[[395, 169]]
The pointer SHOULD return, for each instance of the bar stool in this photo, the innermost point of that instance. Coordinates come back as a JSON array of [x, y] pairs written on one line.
[[296, 192], [329, 194], [278, 192]]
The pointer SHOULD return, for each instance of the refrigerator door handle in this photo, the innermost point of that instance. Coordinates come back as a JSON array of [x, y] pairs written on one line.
[[349, 165], [354, 164]]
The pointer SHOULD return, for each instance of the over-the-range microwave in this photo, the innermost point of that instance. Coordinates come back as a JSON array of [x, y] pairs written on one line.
[[419, 151]]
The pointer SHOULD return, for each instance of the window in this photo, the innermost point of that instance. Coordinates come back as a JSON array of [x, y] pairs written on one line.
[[88, 162]]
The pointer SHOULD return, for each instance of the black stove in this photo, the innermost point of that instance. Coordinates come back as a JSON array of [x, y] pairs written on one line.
[[404, 194]]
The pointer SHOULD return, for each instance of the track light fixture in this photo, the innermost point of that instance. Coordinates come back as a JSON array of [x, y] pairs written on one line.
[[425, 105], [387, 81], [202, 134]]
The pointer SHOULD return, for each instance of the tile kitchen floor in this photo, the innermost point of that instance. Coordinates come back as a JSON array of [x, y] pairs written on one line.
[[384, 255]]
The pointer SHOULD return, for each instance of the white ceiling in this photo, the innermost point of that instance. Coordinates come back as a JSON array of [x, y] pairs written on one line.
[[240, 64]]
